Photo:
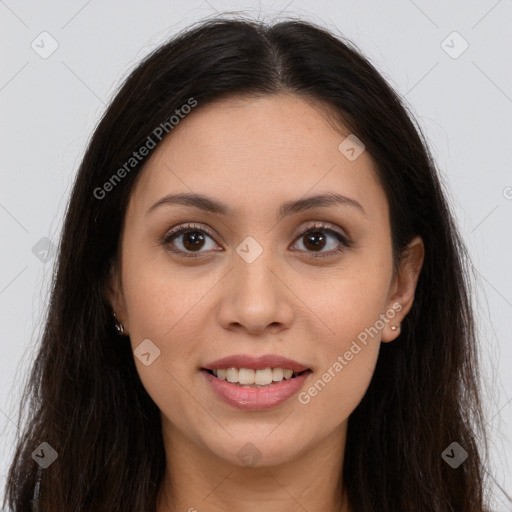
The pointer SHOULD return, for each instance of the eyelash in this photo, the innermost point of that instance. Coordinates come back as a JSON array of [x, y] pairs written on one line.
[[319, 226]]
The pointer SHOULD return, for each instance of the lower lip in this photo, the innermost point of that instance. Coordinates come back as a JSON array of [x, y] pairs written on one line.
[[256, 399]]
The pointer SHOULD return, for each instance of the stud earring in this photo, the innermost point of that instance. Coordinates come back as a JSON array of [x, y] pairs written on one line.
[[118, 326], [395, 328]]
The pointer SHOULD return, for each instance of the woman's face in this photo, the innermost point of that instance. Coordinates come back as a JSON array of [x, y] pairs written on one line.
[[244, 283]]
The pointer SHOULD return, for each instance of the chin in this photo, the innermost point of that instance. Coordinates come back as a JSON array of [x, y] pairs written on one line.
[[258, 449]]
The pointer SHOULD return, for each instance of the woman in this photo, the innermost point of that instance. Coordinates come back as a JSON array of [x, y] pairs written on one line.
[[261, 299]]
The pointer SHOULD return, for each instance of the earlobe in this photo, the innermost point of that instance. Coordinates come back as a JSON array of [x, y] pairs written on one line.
[[392, 330], [404, 286], [396, 329]]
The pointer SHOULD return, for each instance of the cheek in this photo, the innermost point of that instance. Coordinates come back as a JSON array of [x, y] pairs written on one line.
[[346, 306], [347, 354], [163, 299], [350, 314], [164, 307]]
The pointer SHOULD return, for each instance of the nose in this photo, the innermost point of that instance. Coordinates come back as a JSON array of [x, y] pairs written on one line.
[[255, 297]]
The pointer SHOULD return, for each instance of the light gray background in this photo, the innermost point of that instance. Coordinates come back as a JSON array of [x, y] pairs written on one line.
[[49, 108]]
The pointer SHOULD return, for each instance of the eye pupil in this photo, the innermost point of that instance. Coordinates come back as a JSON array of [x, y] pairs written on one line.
[[313, 237]]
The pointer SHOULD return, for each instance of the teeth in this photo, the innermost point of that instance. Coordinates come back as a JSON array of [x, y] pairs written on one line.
[[232, 375], [250, 377], [245, 376], [277, 374], [263, 377]]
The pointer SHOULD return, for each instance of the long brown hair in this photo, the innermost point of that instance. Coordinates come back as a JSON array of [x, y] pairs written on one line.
[[84, 397]]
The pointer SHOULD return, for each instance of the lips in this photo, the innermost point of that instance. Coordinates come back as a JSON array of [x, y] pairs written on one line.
[[255, 397]]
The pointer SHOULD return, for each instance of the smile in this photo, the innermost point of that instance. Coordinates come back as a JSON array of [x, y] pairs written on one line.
[[251, 396]]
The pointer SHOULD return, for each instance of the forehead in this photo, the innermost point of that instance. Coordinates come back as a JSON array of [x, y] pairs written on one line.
[[252, 151]]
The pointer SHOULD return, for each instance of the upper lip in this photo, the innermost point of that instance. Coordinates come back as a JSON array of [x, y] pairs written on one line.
[[256, 362]]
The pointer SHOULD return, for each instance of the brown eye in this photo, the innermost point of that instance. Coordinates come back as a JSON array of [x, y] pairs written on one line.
[[316, 238], [187, 239]]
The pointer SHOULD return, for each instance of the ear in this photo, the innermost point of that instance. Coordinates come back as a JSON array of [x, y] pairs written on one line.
[[113, 292], [403, 286]]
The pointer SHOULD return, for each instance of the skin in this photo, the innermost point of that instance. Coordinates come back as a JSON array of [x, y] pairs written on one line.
[[252, 155]]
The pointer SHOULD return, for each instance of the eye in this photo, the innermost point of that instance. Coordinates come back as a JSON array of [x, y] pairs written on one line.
[[193, 238], [315, 239]]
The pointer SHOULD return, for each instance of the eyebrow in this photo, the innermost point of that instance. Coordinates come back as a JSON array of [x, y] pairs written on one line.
[[287, 208]]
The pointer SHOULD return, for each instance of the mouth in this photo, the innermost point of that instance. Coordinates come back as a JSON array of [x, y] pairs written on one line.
[[250, 389], [255, 383]]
